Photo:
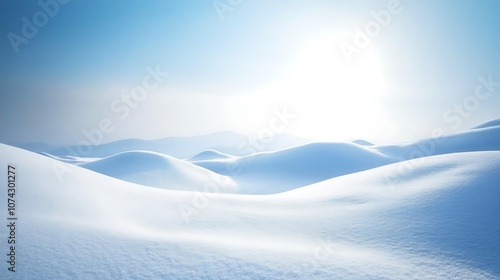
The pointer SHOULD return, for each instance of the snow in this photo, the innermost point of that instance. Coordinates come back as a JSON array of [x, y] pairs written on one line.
[[208, 155], [278, 171], [157, 170], [491, 123], [480, 139], [367, 213], [290, 168], [179, 147], [362, 142]]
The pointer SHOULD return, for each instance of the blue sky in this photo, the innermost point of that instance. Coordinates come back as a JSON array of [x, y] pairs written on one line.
[[233, 72]]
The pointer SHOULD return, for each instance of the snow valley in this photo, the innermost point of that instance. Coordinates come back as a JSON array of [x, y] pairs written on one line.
[[298, 210]]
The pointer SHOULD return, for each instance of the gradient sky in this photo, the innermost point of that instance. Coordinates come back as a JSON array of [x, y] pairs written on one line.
[[232, 72]]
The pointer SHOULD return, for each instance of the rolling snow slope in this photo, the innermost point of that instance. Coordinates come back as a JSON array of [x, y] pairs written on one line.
[[476, 139], [282, 170], [439, 221], [491, 123], [209, 155], [287, 169], [179, 147], [157, 170]]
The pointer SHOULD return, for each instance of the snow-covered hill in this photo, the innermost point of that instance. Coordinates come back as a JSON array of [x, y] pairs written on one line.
[[158, 170], [287, 169], [491, 123], [209, 155], [486, 138], [439, 223], [277, 171], [273, 172], [179, 147]]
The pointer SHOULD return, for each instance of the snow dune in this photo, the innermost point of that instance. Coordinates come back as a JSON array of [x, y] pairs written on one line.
[[281, 170], [179, 147], [439, 221], [158, 170], [262, 173], [476, 139], [287, 169], [492, 123], [70, 159], [209, 155], [362, 142]]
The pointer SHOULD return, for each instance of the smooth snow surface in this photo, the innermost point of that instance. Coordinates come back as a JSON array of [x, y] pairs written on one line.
[[436, 220], [280, 170], [287, 169], [179, 147], [362, 142], [423, 210], [157, 170], [491, 123], [208, 155]]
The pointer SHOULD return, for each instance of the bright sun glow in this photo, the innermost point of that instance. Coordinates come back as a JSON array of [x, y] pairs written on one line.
[[333, 99]]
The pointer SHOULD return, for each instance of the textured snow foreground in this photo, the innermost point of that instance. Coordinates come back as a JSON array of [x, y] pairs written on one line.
[[438, 219]]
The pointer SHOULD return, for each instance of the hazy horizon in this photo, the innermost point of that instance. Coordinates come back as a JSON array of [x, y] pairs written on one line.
[[382, 71]]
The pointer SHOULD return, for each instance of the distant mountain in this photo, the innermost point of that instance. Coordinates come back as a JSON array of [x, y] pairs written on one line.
[[185, 147]]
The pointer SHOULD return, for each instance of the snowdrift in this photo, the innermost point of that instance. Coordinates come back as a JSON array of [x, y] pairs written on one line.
[[287, 169], [179, 147], [438, 219], [208, 155], [157, 170], [485, 137], [491, 123]]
